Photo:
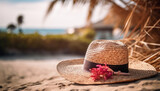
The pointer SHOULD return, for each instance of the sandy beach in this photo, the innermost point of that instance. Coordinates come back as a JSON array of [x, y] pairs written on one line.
[[38, 73]]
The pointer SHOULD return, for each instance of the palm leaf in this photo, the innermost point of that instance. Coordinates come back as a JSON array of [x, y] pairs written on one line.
[[90, 11], [50, 7]]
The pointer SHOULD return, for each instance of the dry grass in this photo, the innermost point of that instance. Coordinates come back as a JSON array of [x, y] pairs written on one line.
[[144, 43], [144, 51]]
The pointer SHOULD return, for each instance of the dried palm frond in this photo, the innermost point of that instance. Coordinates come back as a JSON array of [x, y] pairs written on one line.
[[144, 43], [144, 51], [92, 4], [51, 5]]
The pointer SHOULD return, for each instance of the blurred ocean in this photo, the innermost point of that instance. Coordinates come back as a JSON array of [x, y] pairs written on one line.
[[40, 31]]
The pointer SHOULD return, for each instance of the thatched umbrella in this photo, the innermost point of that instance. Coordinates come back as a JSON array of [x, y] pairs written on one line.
[[144, 40]]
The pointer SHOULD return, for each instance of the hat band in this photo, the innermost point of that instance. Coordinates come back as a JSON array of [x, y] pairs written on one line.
[[89, 65]]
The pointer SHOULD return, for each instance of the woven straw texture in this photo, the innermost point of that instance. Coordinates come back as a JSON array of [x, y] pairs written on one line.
[[73, 71], [107, 52]]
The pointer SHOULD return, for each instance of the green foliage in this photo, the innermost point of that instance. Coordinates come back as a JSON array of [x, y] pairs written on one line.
[[50, 43], [88, 33]]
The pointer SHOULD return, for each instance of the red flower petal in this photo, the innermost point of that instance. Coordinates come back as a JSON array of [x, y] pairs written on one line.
[[101, 72]]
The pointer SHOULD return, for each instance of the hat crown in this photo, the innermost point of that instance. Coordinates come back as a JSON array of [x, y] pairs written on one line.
[[107, 52]]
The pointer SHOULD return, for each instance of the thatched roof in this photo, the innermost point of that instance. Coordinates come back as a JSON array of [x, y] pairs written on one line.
[[117, 17], [100, 25]]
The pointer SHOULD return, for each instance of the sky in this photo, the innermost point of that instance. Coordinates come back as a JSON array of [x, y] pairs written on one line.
[[34, 12]]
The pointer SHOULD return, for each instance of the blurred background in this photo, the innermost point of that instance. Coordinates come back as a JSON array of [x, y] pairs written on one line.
[[66, 27], [32, 26]]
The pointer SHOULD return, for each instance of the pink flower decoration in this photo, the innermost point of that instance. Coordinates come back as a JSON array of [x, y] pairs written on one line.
[[101, 72]]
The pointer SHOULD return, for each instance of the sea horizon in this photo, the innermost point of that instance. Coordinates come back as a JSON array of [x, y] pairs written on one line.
[[42, 31]]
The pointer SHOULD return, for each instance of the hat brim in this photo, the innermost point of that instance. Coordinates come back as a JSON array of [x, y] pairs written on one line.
[[73, 71]]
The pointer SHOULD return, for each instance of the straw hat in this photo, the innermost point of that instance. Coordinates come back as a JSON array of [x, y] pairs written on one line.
[[114, 54]]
